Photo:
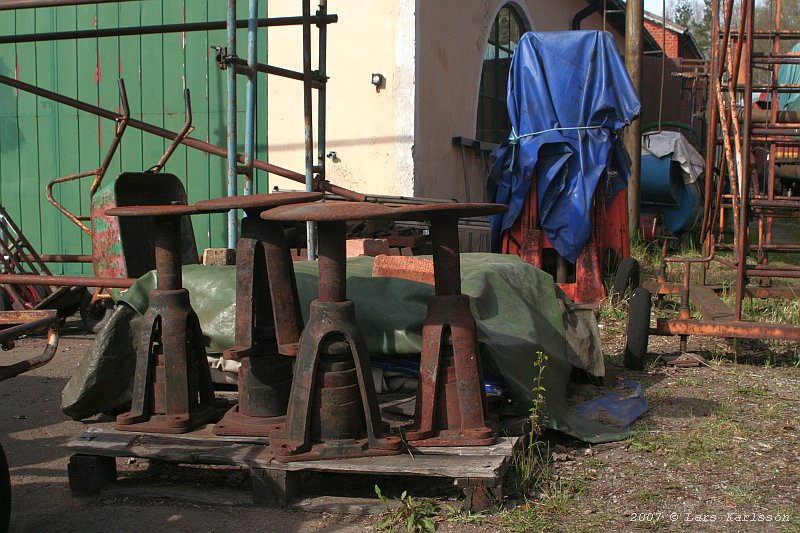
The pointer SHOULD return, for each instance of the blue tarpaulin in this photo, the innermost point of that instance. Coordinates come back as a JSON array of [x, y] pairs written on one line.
[[568, 96]]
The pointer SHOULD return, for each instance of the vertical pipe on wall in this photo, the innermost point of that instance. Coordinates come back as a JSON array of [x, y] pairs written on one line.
[[712, 119], [742, 250], [250, 95], [634, 46], [232, 140], [321, 95], [307, 116]]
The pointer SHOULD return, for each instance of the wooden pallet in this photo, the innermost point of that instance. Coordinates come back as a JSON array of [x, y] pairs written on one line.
[[477, 470]]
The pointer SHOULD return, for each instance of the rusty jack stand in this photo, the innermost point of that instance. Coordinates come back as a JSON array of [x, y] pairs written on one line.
[[268, 317], [333, 409], [172, 389], [450, 408]]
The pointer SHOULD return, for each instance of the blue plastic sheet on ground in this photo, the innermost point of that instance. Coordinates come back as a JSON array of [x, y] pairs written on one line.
[[568, 96], [619, 408]]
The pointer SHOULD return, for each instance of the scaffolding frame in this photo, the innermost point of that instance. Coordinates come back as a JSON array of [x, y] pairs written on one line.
[[748, 149], [314, 175]]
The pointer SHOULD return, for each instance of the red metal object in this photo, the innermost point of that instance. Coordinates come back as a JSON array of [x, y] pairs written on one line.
[[450, 408], [608, 244], [172, 389], [268, 316], [333, 409]]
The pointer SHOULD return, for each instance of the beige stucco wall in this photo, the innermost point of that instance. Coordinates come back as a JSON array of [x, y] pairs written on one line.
[[397, 141], [370, 131], [451, 42]]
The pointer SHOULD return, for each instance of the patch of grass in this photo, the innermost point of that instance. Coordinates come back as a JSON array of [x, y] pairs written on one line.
[[595, 463], [648, 497], [414, 515], [688, 382], [532, 467], [751, 391], [559, 492], [526, 518], [460, 516]]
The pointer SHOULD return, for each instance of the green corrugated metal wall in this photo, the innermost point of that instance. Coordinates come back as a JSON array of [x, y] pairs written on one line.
[[41, 140]]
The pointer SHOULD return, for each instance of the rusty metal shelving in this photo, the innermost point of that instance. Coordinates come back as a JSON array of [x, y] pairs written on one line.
[[749, 150]]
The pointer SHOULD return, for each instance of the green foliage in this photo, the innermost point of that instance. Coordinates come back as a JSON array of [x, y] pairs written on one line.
[[413, 514], [460, 516], [538, 392]]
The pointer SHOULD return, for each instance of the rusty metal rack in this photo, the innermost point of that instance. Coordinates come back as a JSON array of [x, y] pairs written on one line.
[[751, 172]]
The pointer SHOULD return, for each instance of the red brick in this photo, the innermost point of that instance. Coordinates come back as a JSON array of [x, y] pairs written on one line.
[[410, 268], [370, 247]]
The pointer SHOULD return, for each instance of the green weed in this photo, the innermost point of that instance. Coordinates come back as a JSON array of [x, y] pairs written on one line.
[[414, 515]]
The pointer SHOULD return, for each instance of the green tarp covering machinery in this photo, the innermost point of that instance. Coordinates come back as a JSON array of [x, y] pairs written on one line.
[[516, 307]]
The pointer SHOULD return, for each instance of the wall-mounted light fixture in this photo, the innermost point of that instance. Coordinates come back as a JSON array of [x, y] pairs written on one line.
[[378, 80]]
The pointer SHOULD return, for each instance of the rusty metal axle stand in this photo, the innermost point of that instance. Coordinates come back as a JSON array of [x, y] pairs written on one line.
[[450, 408], [333, 409], [172, 389], [268, 317]]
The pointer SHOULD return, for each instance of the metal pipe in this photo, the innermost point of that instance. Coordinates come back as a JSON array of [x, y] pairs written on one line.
[[250, 96], [744, 207], [58, 258], [153, 30], [167, 134], [321, 95], [242, 68], [740, 329], [634, 27], [29, 4], [233, 163], [65, 281], [711, 132], [311, 232]]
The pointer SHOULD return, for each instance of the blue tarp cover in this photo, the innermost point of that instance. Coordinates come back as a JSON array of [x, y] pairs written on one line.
[[568, 96]]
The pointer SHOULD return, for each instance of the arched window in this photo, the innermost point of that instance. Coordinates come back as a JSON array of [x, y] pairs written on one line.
[[493, 124]]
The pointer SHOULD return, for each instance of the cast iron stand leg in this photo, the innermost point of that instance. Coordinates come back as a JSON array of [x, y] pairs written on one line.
[[172, 390], [320, 421], [268, 325], [461, 420]]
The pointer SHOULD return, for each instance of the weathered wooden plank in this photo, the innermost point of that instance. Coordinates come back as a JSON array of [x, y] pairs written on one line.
[[152, 79], [197, 163], [216, 128], [29, 218], [130, 63], [9, 124], [47, 129], [180, 449], [67, 142], [88, 125]]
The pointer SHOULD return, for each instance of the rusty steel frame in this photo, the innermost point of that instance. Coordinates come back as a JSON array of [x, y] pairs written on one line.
[[753, 201]]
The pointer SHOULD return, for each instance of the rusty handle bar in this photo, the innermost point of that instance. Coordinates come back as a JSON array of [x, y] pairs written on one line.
[[185, 131], [49, 320], [66, 281], [167, 134], [98, 173]]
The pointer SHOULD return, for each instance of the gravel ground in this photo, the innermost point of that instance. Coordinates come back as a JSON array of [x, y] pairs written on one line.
[[718, 450]]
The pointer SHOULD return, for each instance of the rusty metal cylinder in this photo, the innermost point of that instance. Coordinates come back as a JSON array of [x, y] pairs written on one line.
[[337, 412], [332, 262], [446, 258], [168, 252], [264, 384]]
